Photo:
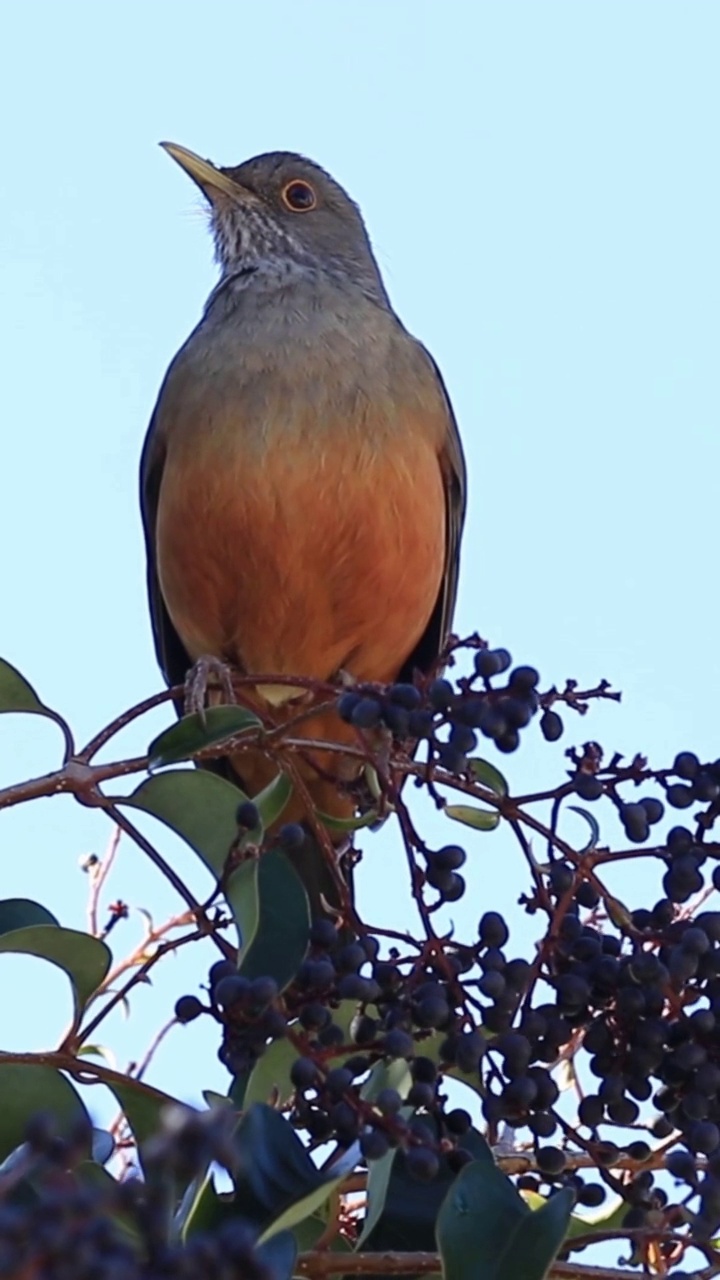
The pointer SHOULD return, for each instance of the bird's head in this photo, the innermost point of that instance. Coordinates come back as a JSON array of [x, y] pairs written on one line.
[[282, 208]]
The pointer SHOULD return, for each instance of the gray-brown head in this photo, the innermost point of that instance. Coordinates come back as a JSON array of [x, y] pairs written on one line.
[[281, 209]]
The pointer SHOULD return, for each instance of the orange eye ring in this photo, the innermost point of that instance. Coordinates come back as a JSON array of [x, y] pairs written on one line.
[[299, 196]]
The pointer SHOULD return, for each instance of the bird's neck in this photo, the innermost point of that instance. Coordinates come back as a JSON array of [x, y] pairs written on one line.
[[267, 278]]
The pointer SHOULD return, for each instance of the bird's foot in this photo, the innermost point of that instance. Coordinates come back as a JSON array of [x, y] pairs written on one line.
[[206, 675]]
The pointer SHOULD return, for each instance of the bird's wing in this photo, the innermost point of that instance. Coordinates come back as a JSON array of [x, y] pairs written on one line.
[[171, 654], [452, 461]]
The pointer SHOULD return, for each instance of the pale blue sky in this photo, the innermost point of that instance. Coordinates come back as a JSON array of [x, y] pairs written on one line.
[[540, 181]]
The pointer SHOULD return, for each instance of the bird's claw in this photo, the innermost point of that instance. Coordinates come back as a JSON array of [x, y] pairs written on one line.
[[208, 671]]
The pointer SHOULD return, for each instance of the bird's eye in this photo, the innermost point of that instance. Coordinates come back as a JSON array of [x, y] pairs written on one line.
[[299, 196]]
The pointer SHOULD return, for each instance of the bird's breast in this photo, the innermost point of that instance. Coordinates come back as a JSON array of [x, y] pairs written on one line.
[[297, 546]]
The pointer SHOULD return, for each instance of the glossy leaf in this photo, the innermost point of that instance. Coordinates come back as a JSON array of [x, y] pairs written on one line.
[[274, 1171], [490, 777], [201, 1210], [480, 819], [28, 1088], [344, 1014], [272, 800], [195, 732], [378, 1184], [103, 1145], [532, 1249], [341, 825], [281, 937], [478, 1217], [17, 694], [278, 1256], [84, 959], [485, 1228], [404, 1216], [303, 1208], [271, 1074], [142, 1106], [219, 1101], [395, 1074], [200, 807], [608, 1217], [18, 913]]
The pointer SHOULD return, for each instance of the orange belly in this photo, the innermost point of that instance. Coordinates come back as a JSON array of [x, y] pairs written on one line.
[[304, 562]]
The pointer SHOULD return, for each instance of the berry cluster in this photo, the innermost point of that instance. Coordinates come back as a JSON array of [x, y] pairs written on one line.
[[246, 1009], [59, 1225], [450, 718], [631, 998]]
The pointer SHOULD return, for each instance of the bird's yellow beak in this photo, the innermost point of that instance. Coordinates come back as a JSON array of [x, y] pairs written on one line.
[[211, 181]]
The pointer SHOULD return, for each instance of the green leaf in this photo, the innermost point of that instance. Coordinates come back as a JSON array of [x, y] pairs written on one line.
[[98, 1051], [379, 1171], [344, 1014], [84, 959], [404, 1211], [16, 913], [480, 819], [28, 1088], [194, 733], [218, 1101], [201, 1209], [246, 901], [301, 1209], [395, 1074], [535, 1243], [478, 1217], [484, 1227], [265, 894], [272, 800], [592, 823], [103, 1145], [196, 804], [341, 825], [16, 694], [607, 1218], [281, 937], [270, 1073], [488, 775], [200, 807], [274, 1171], [142, 1106], [378, 1182], [278, 1256]]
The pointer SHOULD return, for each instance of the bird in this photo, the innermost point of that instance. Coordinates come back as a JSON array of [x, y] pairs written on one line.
[[303, 484]]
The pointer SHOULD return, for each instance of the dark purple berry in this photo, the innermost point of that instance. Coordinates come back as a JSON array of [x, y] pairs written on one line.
[[366, 713], [440, 694], [291, 835], [492, 930], [304, 1073], [686, 765], [247, 815], [679, 796], [188, 1008], [551, 726]]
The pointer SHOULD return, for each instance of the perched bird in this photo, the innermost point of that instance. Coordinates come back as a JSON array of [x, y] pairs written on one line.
[[302, 479]]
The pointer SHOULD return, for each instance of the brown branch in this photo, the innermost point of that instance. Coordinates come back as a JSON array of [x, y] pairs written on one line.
[[318, 1265], [103, 737], [98, 876], [79, 1068], [137, 977], [137, 1071]]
